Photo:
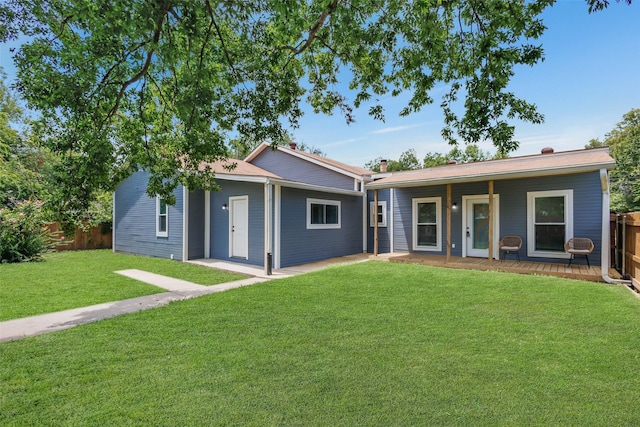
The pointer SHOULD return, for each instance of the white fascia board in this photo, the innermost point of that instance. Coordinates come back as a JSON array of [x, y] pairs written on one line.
[[312, 187], [259, 149], [380, 175], [532, 173], [243, 178], [265, 145], [319, 163]]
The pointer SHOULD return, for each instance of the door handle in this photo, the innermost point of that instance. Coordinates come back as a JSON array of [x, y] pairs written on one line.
[[468, 234]]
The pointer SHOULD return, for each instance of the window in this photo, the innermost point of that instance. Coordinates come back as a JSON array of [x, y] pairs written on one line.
[[549, 222], [323, 213], [427, 224], [162, 218], [381, 214]]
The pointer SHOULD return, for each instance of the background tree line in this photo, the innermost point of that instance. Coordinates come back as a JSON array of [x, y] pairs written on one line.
[[408, 160], [623, 142]]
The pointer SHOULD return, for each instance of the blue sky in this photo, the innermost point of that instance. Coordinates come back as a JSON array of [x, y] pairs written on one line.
[[589, 79]]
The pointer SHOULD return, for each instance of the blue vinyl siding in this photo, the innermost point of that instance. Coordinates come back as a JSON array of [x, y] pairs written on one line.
[[135, 220], [384, 233], [587, 208], [220, 221], [300, 245], [403, 211], [196, 224], [295, 169], [587, 205]]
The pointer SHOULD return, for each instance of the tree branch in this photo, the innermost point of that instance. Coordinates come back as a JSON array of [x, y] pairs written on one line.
[[145, 66], [222, 43], [313, 31]]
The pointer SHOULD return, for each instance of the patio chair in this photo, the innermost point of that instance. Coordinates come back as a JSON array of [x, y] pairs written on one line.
[[579, 246], [510, 245]]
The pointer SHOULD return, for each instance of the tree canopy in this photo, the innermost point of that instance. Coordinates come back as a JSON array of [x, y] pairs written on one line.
[[163, 85], [30, 172], [408, 160], [624, 144]]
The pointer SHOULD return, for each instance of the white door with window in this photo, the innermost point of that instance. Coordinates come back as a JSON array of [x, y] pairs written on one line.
[[239, 227], [475, 226]]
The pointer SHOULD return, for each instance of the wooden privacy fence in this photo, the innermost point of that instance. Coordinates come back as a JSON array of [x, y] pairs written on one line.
[[98, 237], [627, 245]]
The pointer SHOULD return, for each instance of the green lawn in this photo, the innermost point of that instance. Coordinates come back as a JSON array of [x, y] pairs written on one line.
[[373, 343], [77, 279]]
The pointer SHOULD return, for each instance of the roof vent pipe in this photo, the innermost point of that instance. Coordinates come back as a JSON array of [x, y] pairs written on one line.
[[293, 145], [383, 166], [547, 150]]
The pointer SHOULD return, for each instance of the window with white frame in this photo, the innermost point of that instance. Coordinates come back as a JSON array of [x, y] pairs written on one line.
[[323, 213], [549, 222], [162, 218], [427, 224], [380, 214]]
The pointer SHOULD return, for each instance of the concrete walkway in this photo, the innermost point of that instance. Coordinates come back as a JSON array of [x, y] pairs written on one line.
[[177, 290]]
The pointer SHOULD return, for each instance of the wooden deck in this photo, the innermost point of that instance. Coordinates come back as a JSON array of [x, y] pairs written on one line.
[[575, 271]]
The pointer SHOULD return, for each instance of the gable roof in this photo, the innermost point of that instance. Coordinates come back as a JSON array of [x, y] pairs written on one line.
[[561, 163], [246, 172], [334, 165], [241, 169]]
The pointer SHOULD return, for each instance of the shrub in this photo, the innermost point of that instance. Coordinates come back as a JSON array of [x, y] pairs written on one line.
[[23, 236]]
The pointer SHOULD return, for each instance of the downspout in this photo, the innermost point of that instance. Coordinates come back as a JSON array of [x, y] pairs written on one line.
[[391, 224], [604, 257], [277, 221], [113, 223], [364, 217], [375, 222]]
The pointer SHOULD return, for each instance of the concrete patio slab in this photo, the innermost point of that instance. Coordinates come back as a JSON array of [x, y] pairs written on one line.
[[281, 272]]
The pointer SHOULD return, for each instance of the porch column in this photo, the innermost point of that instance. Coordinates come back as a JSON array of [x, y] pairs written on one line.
[[185, 224], [448, 223], [491, 222], [375, 222], [207, 224]]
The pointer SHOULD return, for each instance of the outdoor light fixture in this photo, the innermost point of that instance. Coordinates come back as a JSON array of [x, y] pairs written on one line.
[[454, 206], [224, 207]]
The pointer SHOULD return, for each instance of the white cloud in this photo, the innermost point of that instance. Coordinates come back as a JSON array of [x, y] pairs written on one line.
[[395, 129]]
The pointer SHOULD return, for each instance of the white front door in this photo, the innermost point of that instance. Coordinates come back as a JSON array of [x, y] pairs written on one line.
[[476, 226], [239, 227]]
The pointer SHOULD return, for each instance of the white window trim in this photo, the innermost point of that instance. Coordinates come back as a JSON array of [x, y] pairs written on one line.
[[158, 232], [414, 224], [323, 202], [373, 214], [568, 220]]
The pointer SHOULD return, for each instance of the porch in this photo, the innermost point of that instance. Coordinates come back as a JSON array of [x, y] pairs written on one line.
[[575, 271]]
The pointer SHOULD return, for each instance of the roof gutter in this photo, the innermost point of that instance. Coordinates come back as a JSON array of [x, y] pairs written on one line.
[[605, 262], [313, 187], [529, 173]]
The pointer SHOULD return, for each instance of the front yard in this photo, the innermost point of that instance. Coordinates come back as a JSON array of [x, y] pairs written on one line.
[[77, 279], [366, 344]]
